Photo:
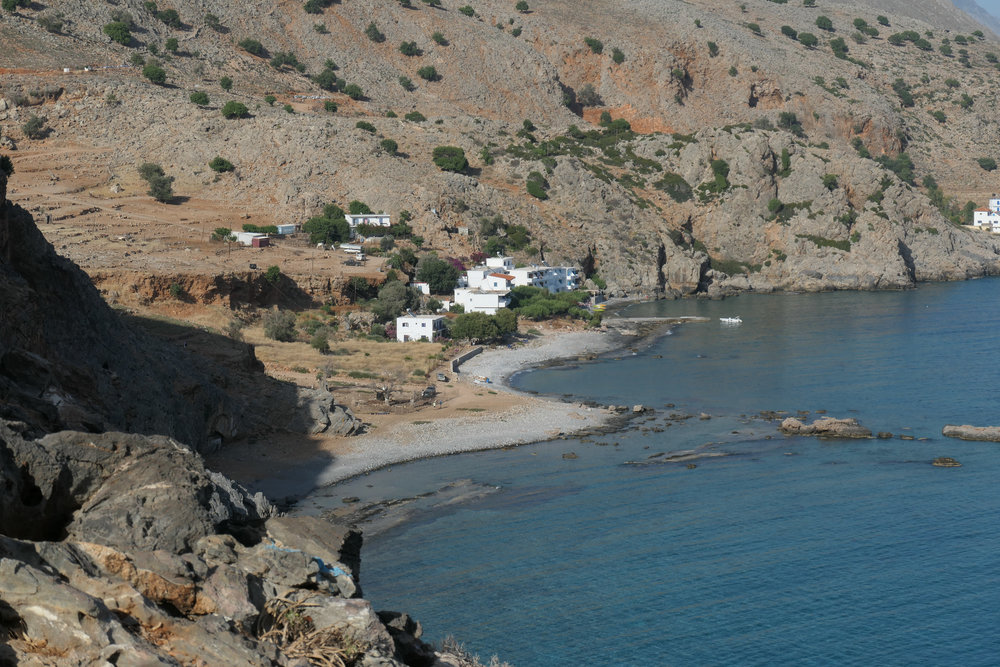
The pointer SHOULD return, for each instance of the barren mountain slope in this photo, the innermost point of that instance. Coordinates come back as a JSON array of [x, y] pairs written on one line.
[[724, 78]]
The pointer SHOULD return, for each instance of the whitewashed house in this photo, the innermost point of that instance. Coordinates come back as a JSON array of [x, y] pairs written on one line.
[[481, 301], [988, 218], [287, 229], [422, 287], [552, 278], [373, 219], [418, 327]]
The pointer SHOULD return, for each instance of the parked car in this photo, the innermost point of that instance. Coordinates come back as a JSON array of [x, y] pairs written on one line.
[[441, 377], [429, 392]]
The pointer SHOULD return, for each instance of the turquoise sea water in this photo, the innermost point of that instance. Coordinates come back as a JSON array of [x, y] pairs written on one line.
[[789, 551]]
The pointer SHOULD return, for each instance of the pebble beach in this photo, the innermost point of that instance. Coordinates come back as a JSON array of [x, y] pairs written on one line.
[[535, 419]]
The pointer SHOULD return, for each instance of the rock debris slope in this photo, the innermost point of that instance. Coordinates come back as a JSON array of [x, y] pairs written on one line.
[[868, 143]]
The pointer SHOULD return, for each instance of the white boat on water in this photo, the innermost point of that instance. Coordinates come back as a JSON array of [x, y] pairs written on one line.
[[731, 320]]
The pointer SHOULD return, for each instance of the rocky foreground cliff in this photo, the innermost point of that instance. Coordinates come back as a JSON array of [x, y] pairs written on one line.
[[122, 548]]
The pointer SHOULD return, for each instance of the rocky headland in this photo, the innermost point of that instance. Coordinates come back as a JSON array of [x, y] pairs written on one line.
[[121, 547]]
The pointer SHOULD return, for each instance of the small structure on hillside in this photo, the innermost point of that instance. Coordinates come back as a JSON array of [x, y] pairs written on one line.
[[418, 327], [372, 219], [988, 218], [252, 239]]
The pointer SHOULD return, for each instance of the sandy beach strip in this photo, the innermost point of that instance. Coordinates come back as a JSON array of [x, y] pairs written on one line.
[[531, 419]]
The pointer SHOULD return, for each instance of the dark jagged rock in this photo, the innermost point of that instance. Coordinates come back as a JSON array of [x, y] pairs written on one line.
[[966, 432], [67, 361], [946, 462], [122, 490]]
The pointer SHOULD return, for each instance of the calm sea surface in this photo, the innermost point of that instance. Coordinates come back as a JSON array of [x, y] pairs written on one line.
[[789, 551]]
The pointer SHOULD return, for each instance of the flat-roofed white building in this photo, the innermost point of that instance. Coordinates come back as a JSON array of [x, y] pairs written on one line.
[[418, 327], [373, 219]]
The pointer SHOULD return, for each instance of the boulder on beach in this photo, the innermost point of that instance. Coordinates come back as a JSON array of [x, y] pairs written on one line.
[[825, 427], [966, 432]]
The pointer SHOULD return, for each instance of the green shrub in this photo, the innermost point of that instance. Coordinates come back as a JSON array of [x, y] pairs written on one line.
[[521, 6], [467, 10], [439, 38], [288, 108], [118, 32], [987, 163], [389, 146], [221, 164], [789, 31], [212, 21], [330, 227], [410, 49], [176, 291], [450, 158], [373, 33], [234, 109], [713, 49], [754, 28], [938, 116], [428, 73], [160, 185], [226, 83], [155, 73], [830, 181], [253, 47], [171, 45], [675, 186], [824, 23], [365, 125], [171, 18], [279, 325], [596, 46], [330, 105], [273, 274], [808, 40], [354, 91], [34, 127], [51, 22], [270, 100], [406, 83], [415, 117]]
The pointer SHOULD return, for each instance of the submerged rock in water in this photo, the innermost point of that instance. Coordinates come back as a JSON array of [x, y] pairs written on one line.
[[826, 427], [946, 462], [966, 432]]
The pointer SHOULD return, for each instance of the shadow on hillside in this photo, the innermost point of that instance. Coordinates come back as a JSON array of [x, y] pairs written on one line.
[[267, 408]]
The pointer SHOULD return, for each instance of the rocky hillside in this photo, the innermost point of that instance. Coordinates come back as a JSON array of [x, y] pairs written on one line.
[[123, 549], [809, 109]]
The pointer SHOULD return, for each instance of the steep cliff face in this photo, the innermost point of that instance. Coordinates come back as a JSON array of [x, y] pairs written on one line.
[[69, 361]]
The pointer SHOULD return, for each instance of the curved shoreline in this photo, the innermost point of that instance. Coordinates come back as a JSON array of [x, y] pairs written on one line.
[[540, 419]]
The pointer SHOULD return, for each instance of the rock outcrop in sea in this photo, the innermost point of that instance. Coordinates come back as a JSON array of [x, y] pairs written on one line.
[[825, 427], [966, 432]]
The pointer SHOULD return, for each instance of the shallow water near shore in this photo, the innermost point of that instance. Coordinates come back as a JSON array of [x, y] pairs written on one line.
[[787, 551]]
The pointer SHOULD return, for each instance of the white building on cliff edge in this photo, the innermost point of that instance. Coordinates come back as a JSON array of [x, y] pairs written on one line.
[[988, 218]]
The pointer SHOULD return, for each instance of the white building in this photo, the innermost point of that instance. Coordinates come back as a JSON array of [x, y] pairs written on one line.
[[552, 278], [373, 219], [481, 301], [247, 238], [423, 288], [417, 327], [287, 229], [988, 218]]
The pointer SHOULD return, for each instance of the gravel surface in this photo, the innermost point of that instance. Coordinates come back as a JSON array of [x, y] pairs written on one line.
[[540, 419]]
